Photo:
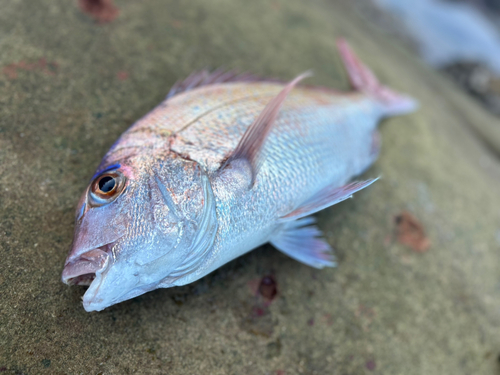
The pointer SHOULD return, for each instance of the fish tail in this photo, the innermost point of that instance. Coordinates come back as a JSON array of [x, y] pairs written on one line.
[[364, 80]]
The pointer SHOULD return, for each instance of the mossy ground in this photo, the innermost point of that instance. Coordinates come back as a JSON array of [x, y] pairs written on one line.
[[69, 87]]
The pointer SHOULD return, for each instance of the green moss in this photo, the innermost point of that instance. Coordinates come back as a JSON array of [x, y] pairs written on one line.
[[385, 309]]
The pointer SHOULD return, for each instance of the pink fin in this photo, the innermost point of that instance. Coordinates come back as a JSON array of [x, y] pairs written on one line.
[[303, 242], [326, 198], [252, 141], [363, 79], [205, 78]]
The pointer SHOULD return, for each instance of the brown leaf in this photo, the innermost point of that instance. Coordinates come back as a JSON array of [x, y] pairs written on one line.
[[411, 233], [101, 10]]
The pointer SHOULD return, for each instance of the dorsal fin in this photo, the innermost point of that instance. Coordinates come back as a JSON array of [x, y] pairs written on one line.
[[251, 143], [205, 78]]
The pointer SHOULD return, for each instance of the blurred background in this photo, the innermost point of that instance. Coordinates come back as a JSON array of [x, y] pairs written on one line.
[[417, 287], [459, 37]]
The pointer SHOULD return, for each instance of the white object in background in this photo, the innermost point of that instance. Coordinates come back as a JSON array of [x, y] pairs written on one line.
[[448, 32]]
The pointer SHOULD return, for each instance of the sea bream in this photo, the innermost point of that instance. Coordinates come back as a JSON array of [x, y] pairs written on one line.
[[225, 164]]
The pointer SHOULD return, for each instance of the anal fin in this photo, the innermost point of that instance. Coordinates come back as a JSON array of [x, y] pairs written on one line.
[[326, 198], [303, 242]]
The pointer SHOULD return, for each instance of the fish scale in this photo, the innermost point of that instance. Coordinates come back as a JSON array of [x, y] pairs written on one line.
[[225, 164], [214, 135], [305, 152]]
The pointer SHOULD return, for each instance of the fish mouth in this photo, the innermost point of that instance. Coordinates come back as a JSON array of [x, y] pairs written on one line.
[[83, 269]]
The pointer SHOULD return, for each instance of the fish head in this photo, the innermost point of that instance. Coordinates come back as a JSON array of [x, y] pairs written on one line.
[[142, 224]]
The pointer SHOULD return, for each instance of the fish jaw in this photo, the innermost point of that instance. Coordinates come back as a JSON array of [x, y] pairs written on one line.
[[101, 294], [82, 270], [93, 269], [88, 269]]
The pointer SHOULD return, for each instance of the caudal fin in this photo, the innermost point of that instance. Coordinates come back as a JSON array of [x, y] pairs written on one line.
[[363, 79]]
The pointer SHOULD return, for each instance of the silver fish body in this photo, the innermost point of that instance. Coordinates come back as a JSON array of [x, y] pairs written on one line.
[[218, 170]]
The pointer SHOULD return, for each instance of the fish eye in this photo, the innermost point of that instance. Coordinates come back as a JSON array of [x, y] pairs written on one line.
[[107, 184], [106, 187]]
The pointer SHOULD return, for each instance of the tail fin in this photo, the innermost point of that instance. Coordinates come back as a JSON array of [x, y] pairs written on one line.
[[363, 79]]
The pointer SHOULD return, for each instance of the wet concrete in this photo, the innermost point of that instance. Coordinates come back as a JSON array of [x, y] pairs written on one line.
[[69, 85]]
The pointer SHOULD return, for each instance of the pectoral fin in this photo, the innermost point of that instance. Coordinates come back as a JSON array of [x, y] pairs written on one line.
[[250, 145], [326, 198]]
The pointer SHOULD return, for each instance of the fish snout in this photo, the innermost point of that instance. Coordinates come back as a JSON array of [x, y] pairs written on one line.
[[81, 269]]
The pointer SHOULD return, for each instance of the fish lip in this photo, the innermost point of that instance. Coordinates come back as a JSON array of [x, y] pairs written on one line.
[[83, 269]]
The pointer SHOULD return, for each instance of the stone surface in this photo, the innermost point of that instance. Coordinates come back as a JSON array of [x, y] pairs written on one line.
[[70, 85]]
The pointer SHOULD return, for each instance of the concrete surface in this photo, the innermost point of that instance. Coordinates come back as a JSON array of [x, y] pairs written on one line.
[[69, 85]]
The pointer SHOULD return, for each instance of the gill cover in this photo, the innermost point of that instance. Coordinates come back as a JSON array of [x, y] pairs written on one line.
[[195, 240]]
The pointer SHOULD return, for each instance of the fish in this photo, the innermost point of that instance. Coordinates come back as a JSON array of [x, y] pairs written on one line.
[[227, 163]]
